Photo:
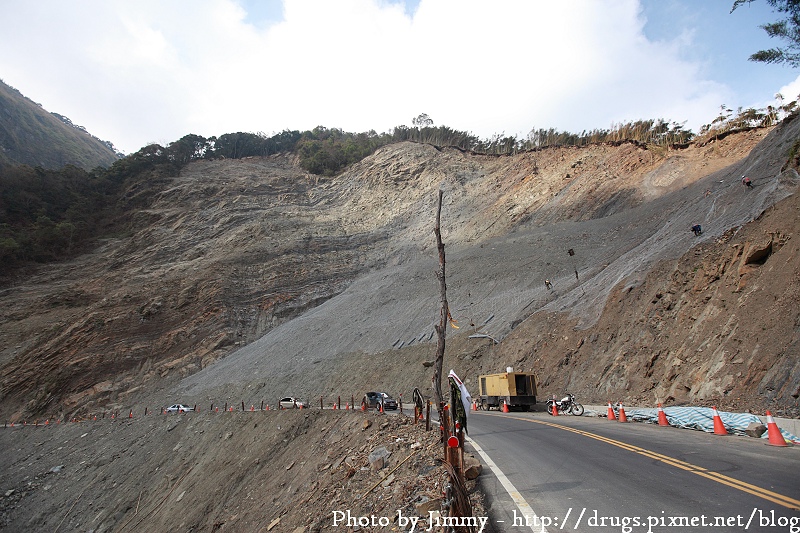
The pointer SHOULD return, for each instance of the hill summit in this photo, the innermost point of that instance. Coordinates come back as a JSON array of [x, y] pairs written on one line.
[[29, 135]]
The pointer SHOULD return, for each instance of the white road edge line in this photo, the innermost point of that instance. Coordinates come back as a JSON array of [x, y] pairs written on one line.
[[530, 516]]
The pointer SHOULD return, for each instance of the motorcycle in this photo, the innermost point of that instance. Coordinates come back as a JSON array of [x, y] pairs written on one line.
[[567, 405]]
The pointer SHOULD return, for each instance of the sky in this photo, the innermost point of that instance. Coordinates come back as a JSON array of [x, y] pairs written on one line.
[[149, 71]]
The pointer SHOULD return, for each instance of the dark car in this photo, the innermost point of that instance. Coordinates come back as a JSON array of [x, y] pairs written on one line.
[[376, 399], [388, 402], [371, 399]]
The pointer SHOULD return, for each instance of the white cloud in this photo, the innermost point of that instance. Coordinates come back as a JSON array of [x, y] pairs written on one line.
[[136, 72], [790, 91]]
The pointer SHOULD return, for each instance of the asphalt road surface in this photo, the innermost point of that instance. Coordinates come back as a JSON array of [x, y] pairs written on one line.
[[573, 474]]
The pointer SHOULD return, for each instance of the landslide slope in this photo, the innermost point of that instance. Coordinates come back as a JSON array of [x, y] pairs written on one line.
[[625, 212], [250, 279]]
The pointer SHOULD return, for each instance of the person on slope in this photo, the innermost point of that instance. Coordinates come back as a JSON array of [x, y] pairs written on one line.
[[746, 182]]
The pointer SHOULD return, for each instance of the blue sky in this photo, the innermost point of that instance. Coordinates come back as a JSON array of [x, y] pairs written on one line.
[[151, 71], [722, 41]]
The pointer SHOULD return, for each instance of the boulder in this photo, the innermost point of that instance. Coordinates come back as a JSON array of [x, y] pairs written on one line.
[[427, 505], [472, 467], [377, 458], [755, 429]]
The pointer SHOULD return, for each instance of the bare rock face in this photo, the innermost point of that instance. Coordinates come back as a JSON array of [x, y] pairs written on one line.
[[250, 278]]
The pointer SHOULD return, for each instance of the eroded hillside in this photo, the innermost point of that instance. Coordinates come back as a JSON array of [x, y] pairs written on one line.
[[719, 325], [302, 276]]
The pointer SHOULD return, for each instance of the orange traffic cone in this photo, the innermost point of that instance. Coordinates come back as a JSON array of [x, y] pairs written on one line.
[[622, 417], [774, 432], [662, 417], [719, 427], [381, 407], [611, 415], [555, 407], [252, 408], [505, 407]]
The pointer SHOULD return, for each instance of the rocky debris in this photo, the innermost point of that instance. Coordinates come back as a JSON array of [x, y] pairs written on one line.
[[242, 471]]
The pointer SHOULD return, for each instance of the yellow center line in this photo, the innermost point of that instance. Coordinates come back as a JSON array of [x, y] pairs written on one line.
[[774, 497]]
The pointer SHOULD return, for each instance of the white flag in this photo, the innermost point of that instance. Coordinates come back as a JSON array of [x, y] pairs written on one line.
[[466, 399]]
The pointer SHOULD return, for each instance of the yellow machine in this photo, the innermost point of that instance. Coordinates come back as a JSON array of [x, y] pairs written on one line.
[[516, 389]]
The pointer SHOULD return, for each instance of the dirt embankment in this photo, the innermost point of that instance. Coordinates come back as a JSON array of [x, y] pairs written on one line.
[[280, 471]]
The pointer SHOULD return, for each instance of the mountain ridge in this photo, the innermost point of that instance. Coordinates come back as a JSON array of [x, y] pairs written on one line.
[[29, 135]]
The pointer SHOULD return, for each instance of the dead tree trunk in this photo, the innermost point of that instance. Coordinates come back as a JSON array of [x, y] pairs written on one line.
[[458, 504], [441, 327]]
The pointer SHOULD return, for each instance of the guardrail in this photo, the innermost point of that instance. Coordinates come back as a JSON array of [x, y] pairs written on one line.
[[225, 407]]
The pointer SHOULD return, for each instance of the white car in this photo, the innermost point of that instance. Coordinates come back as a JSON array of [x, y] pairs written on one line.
[[178, 408], [292, 403]]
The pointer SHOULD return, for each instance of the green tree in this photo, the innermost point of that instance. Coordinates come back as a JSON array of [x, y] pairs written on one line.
[[187, 148], [422, 121], [787, 29], [9, 250]]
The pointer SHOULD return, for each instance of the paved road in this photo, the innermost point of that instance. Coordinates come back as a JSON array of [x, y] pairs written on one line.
[[573, 471]]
